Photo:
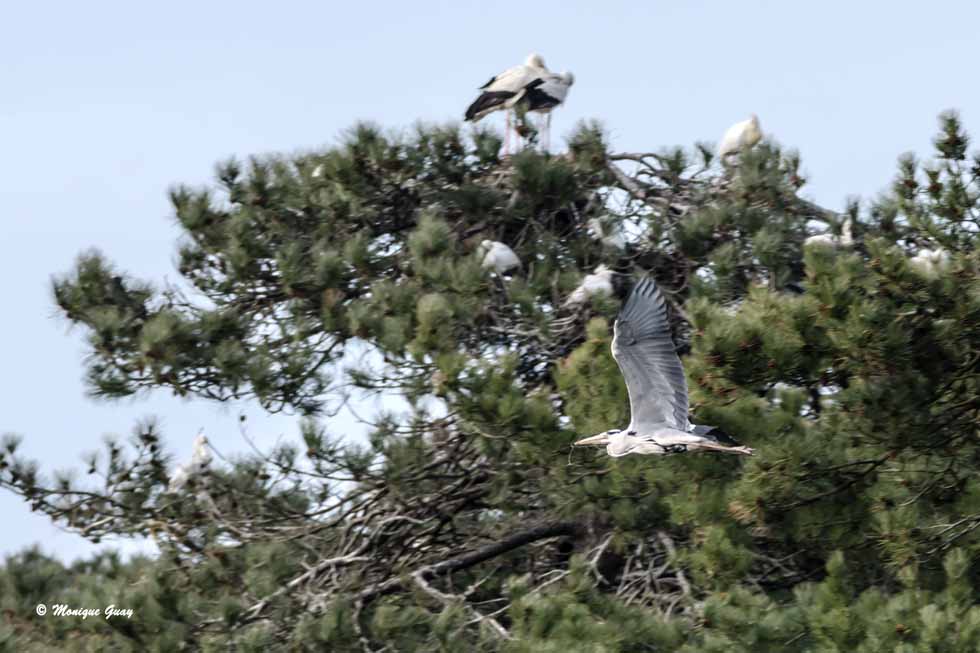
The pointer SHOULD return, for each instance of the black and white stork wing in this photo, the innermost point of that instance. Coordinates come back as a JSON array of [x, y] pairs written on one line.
[[492, 80], [644, 350], [500, 92], [511, 80], [488, 102], [545, 93]]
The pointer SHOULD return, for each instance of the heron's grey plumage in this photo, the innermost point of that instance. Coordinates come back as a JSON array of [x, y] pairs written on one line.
[[644, 350]]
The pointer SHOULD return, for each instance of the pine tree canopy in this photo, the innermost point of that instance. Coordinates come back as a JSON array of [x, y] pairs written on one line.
[[466, 522]]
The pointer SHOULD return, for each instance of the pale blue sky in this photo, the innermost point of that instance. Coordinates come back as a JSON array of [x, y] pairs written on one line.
[[105, 104]]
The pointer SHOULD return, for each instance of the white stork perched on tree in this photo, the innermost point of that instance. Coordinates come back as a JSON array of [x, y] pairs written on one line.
[[497, 256], [505, 90], [200, 459], [929, 262], [543, 94], [740, 137], [597, 283]]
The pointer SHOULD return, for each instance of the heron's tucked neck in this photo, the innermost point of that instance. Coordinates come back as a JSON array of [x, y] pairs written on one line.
[[618, 444]]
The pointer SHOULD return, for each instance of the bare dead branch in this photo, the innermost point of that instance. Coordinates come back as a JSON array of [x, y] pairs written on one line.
[[446, 567]]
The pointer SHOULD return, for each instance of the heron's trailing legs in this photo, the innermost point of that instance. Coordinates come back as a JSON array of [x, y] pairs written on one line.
[[745, 451]]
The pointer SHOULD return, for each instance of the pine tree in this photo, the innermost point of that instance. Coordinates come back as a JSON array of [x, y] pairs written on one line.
[[468, 524]]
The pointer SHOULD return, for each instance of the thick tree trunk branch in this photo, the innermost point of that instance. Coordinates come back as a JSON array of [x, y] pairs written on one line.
[[819, 212], [628, 183], [544, 531], [654, 194], [309, 575]]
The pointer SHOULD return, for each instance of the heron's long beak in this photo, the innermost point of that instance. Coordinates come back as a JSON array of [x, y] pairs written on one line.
[[599, 440]]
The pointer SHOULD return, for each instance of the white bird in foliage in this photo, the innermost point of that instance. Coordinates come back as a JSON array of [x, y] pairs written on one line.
[[830, 239], [597, 283], [498, 256], [543, 94], [740, 137], [609, 233], [200, 459], [179, 479], [505, 90], [930, 261], [644, 351]]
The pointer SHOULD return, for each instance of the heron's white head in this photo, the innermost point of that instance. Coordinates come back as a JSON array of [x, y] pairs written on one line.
[[567, 78], [534, 60], [616, 442]]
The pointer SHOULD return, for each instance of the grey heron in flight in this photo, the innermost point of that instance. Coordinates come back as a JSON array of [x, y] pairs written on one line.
[[645, 352]]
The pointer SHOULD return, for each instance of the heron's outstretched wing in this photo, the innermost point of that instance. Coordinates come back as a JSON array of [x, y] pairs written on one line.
[[645, 352]]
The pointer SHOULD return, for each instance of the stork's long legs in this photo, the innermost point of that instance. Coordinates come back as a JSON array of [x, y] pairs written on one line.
[[516, 122], [507, 135], [546, 136]]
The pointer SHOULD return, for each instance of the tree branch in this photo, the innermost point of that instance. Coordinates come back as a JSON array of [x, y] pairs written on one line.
[[473, 558], [628, 183]]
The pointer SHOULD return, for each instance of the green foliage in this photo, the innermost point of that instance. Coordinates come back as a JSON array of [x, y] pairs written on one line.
[[589, 380], [466, 522]]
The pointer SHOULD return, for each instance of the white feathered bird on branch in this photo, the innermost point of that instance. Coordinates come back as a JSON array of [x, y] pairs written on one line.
[[740, 137], [198, 464], [597, 283], [930, 261], [498, 257], [505, 90], [542, 95]]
